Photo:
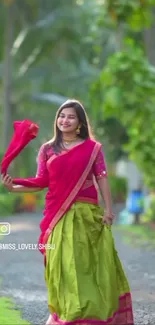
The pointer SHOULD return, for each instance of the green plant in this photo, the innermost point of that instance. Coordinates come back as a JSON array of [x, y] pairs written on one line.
[[41, 199], [150, 213], [127, 83], [10, 314], [9, 203], [118, 187], [134, 13]]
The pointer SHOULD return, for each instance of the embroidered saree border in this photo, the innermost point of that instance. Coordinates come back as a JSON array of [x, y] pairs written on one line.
[[127, 319]]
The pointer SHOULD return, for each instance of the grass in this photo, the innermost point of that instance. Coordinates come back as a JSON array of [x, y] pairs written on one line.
[[137, 235], [9, 315]]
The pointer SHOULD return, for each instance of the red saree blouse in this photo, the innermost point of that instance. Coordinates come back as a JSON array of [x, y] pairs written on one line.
[[88, 192]]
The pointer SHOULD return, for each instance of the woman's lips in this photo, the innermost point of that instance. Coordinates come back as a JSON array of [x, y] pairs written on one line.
[[65, 126]]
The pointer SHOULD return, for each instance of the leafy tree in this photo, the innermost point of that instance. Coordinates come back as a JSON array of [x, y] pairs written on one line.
[[127, 90], [48, 56]]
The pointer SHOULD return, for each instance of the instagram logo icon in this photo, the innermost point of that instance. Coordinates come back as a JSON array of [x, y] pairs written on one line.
[[4, 228]]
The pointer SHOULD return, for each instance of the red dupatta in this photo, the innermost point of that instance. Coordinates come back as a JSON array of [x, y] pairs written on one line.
[[24, 132], [67, 174]]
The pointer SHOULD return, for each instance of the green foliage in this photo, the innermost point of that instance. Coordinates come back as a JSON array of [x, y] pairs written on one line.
[[41, 199], [58, 51], [137, 235], [126, 85], [10, 314], [126, 89], [129, 95], [150, 213], [128, 81], [134, 13], [49, 53], [52, 60], [9, 203], [118, 186]]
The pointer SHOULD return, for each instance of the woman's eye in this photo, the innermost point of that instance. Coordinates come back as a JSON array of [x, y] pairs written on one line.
[[69, 117]]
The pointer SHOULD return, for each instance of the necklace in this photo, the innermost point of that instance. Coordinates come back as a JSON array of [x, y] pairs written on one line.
[[68, 141]]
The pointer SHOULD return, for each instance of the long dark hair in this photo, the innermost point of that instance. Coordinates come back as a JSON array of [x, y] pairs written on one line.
[[85, 130]]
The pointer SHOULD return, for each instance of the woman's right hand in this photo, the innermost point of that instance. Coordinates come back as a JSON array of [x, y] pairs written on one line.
[[7, 182]]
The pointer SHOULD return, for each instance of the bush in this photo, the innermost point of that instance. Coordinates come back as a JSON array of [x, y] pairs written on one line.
[[9, 203], [150, 212], [41, 199], [118, 186]]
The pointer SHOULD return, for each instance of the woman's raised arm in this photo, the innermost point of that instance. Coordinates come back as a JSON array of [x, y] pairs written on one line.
[[7, 182], [41, 172]]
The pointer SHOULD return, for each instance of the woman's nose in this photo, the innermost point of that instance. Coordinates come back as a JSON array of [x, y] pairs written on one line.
[[65, 119]]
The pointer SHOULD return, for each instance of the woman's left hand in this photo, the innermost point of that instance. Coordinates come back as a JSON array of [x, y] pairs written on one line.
[[108, 219]]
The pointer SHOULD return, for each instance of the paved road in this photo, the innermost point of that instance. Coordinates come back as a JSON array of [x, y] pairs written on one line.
[[23, 273]]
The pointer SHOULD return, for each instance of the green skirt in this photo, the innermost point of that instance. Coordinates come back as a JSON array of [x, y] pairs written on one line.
[[84, 276]]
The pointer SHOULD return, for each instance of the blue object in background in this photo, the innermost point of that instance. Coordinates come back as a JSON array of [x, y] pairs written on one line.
[[135, 202]]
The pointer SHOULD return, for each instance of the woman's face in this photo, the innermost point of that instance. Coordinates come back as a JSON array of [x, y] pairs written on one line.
[[68, 121]]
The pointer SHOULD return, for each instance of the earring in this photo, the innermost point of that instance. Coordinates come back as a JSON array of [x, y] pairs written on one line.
[[78, 130]]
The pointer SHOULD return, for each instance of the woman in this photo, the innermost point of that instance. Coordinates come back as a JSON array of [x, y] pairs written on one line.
[[85, 280]]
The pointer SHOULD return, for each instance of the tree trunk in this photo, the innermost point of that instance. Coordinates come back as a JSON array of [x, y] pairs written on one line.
[[149, 40], [8, 77]]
